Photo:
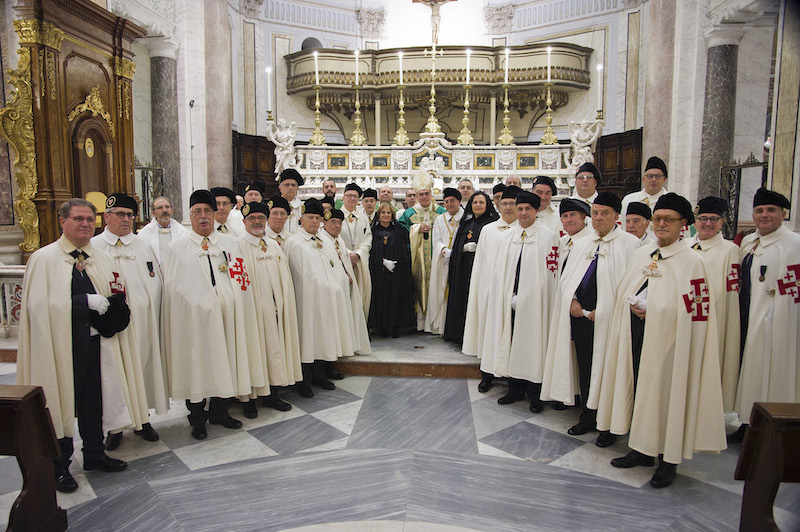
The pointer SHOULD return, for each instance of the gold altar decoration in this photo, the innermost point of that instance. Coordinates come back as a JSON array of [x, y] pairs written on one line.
[[16, 127], [94, 104], [505, 138], [124, 67], [465, 138], [401, 137], [36, 32], [549, 136], [317, 138], [433, 127], [357, 138]]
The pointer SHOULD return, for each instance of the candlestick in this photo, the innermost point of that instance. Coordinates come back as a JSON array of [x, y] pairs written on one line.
[[356, 68], [505, 138], [357, 138], [549, 137], [506, 82], [548, 63], [401, 137], [600, 87], [400, 56], [316, 68], [465, 138], [317, 138], [468, 57], [432, 127], [269, 89]]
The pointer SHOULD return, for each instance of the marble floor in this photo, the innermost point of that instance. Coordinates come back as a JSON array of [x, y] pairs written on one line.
[[393, 454]]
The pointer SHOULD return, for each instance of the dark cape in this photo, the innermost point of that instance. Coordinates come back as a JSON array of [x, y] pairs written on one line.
[[392, 305], [461, 269]]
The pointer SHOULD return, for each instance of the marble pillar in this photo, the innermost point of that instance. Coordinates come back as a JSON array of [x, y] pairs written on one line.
[[219, 93], [164, 116], [378, 132], [492, 118], [658, 80], [719, 106]]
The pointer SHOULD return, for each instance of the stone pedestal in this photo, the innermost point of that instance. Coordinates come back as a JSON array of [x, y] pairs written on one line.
[[218, 97], [658, 80]]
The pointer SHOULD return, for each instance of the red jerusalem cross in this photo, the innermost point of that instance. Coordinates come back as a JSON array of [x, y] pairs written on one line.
[[790, 283], [239, 274], [732, 283], [552, 260], [115, 285], [697, 299]]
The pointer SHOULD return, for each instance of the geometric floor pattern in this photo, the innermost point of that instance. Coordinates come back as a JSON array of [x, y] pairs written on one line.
[[393, 454]]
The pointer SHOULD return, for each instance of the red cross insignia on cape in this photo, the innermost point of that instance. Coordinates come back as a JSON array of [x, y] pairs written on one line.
[[697, 300], [552, 259], [239, 273], [732, 282], [789, 284], [115, 285]]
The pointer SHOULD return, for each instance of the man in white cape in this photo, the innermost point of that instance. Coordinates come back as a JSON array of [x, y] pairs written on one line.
[[573, 219], [276, 313], [289, 182], [279, 210], [209, 321], [637, 221], [162, 229], [137, 264], [521, 300], [661, 372], [587, 179], [356, 233], [228, 220], [654, 182], [444, 233], [64, 297], [548, 215], [584, 300], [770, 309]]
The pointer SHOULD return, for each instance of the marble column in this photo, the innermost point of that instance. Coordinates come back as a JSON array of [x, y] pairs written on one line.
[[719, 105], [219, 94], [164, 116], [378, 132], [658, 80]]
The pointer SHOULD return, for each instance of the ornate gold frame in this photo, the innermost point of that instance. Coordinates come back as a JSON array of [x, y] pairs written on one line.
[[94, 104]]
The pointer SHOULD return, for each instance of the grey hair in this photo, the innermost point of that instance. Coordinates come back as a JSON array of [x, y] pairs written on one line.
[[153, 203], [66, 207]]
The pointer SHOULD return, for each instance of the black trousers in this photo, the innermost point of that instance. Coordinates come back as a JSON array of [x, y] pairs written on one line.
[[217, 410], [583, 336], [88, 405], [637, 340]]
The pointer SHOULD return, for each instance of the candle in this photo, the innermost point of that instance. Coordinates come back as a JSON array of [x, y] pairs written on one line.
[[400, 56], [468, 55], [506, 66], [549, 50], [600, 87], [269, 88], [316, 68], [356, 67]]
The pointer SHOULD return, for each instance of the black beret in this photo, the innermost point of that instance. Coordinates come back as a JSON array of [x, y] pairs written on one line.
[[637, 207], [527, 197], [609, 200], [677, 203], [712, 205], [353, 186], [569, 205], [329, 200], [769, 197], [544, 180], [312, 206], [122, 200], [499, 187], [655, 162], [279, 202], [254, 207], [589, 167], [257, 186], [512, 192], [203, 196], [451, 192], [222, 191], [291, 173], [335, 214], [371, 193], [115, 319]]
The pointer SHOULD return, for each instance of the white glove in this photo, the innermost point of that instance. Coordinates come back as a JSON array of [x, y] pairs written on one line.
[[446, 254], [97, 303], [389, 264], [470, 247], [513, 302]]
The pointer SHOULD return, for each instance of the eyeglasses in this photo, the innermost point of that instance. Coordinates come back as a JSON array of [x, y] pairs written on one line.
[[652, 176], [261, 219], [708, 219], [584, 177], [123, 215], [669, 221], [80, 220]]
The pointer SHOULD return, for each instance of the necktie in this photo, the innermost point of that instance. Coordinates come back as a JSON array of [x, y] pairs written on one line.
[[80, 281], [351, 218], [119, 242], [280, 239], [646, 201], [204, 245], [263, 245], [656, 254], [452, 221], [222, 229], [745, 286], [697, 247]]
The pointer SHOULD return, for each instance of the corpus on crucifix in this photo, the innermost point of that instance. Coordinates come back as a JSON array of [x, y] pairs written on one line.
[[435, 17]]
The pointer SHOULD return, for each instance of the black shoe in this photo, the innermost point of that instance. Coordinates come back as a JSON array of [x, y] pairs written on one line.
[[331, 373], [147, 432], [738, 436], [273, 401], [577, 430], [199, 432], [605, 439], [632, 459], [384, 333], [304, 390], [249, 409], [113, 441], [228, 422], [105, 463], [65, 483], [395, 333], [664, 475], [558, 405], [325, 384], [511, 397], [536, 406], [485, 385]]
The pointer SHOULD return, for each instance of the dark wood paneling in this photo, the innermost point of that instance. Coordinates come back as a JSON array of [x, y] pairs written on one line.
[[619, 158], [254, 160]]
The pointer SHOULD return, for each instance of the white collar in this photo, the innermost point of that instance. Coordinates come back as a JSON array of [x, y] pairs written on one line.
[[198, 239], [773, 236], [111, 239], [304, 234], [255, 240], [611, 235], [674, 248], [710, 242]]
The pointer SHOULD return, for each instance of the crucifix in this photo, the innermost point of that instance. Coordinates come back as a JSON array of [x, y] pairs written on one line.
[[435, 17]]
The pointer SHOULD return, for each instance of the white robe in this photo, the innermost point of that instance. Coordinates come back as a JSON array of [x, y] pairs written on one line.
[[589, 200], [135, 260], [44, 355], [293, 220], [276, 311], [722, 262], [210, 330], [517, 347], [234, 224], [285, 234], [357, 237], [642, 197], [324, 312], [561, 370], [771, 362], [549, 218], [677, 408], [483, 271], [443, 236], [360, 334], [567, 242], [158, 238]]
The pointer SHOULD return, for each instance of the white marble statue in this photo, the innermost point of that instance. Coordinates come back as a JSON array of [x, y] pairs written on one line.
[[283, 138], [583, 138]]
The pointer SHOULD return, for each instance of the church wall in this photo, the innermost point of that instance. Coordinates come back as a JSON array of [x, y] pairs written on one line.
[[142, 126]]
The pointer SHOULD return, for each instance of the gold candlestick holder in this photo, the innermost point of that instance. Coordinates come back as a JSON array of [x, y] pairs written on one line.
[[505, 138], [433, 127], [357, 138], [465, 138], [269, 116], [599, 114], [401, 137], [317, 138], [549, 137]]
